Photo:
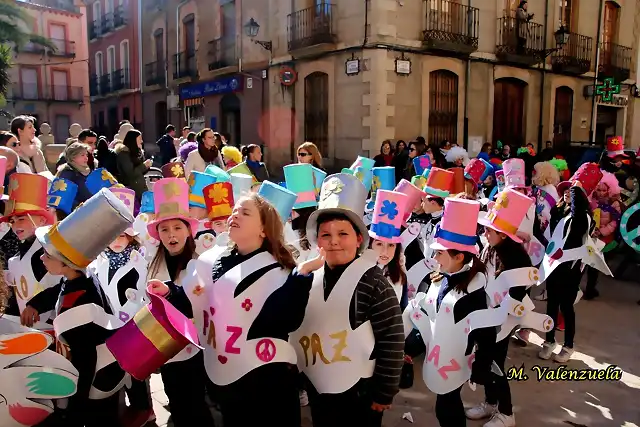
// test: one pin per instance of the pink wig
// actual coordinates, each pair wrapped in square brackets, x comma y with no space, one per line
[611,182]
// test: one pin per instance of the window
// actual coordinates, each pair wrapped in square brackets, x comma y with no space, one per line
[510,7]
[99,64]
[29,79]
[158,41]
[189,33]
[108,6]
[443,106]
[228,18]
[59,37]
[97,17]
[565,13]
[610,28]
[124,59]
[316,110]
[111,59]
[60,86]
[61,126]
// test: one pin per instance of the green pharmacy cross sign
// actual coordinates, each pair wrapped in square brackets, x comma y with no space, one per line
[607,89]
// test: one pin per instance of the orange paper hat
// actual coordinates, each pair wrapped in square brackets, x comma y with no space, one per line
[218,198]
[458,180]
[27,195]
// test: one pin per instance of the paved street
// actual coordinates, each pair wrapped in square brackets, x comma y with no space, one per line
[607,334]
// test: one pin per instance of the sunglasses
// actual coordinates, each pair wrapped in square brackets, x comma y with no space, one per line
[412,149]
[303,154]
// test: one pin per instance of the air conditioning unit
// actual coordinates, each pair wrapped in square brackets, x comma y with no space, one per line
[173,102]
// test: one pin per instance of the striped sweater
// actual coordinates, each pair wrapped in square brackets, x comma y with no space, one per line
[375,300]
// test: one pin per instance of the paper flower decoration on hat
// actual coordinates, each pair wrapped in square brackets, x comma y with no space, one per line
[171,190]
[501,202]
[59,185]
[219,193]
[331,187]
[375,184]
[389,209]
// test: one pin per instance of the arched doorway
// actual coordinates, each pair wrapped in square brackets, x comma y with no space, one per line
[563,116]
[161,118]
[316,110]
[508,111]
[230,118]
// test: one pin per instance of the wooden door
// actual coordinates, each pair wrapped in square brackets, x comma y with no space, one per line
[563,117]
[609,32]
[508,111]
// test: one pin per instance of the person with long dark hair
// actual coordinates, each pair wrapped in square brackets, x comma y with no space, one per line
[131,163]
[386,156]
[107,157]
[208,153]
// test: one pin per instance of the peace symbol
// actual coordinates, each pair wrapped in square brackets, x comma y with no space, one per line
[630,236]
[266,350]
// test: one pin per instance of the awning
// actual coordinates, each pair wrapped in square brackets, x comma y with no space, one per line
[193,101]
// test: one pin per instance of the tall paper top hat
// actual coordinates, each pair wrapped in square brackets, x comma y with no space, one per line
[439,183]
[128,197]
[171,201]
[67,240]
[344,194]
[62,194]
[457,230]
[347,171]
[241,185]
[173,170]
[220,174]
[458,180]
[365,176]
[299,180]
[421,163]
[388,215]
[27,195]
[419,181]
[281,198]
[218,198]
[507,213]
[414,193]
[146,205]
[3,170]
[615,146]
[156,334]
[588,174]
[384,178]
[98,179]
[363,162]
[514,173]
[318,176]
[476,170]
[243,169]
[197,181]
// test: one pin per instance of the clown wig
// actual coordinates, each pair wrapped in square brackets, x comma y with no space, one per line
[187,148]
[544,173]
[611,182]
[456,153]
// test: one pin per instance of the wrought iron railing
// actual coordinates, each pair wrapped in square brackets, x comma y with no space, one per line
[53,93]
[94,85]
[120,79]
[615,60]
[154,73]
[519,37]
[105,84]
[184,64]
[30,48]
[222,53]
[451,22]
[311,26]
[61,93]
[119,16]
[575,55]
[107,23]
[26,91]
[95,30]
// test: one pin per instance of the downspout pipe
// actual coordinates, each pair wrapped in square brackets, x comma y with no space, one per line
[182,3]
[467,78]
[543,79]
[594,109]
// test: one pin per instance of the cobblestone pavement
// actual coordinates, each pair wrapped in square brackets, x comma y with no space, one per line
[608,333]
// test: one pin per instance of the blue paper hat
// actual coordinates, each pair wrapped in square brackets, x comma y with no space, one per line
[299,180]
[197,181]
[147,205]
[281,198]
[363,162]
[220,174]
[283,184]
[99,179]
[384,178]
[318,177]
[62,194]
[421,163]
[488,171]
[365,176]
[241,184]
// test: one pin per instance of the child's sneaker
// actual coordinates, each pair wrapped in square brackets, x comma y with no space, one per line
[564,355]
[501,420]
[481,411]
[547,350]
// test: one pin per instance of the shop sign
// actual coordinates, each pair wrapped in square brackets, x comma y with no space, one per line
[220,86]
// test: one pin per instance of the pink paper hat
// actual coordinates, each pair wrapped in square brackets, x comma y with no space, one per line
[507,213]
[128,197]
[388,215]
[456,230]
[475,170]
[3,170]
[154,336]
[171,201]
[414,194]
[514,173]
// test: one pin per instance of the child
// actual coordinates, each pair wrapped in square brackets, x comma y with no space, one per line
[457,318]
[545,178]
[83,317]
[299,180]
[26,211]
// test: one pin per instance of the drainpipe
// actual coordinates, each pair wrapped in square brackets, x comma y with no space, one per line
[594,108]
[544,75]
[467,74]
[140,64]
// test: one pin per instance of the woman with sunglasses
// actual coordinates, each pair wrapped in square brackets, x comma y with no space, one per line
[308,153]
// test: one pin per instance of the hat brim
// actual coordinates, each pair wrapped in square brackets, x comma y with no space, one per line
[443,245]
[395,239]
[152,227]
[45,214]
[613,154]
[484,221]
[312,225]
[564,185]
[42,234]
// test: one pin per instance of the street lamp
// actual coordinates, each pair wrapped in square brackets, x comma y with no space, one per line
[251,29]
[561,36]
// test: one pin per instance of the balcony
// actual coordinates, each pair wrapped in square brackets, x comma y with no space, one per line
[104,84]
[64,48]
[30,48]
[120,80]
[94,85]
[520,42]
[615,61]
[107,23]
[184,65]
[311,27]
[95,30]
[155,5]
[451,27]
[575,56]
[154,73]
[222,53]
[54,93]
[119,17]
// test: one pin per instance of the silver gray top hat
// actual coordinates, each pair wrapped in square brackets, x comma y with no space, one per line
[86,232]
[345,194]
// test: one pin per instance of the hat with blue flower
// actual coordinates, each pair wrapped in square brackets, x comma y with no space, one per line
[388,214]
